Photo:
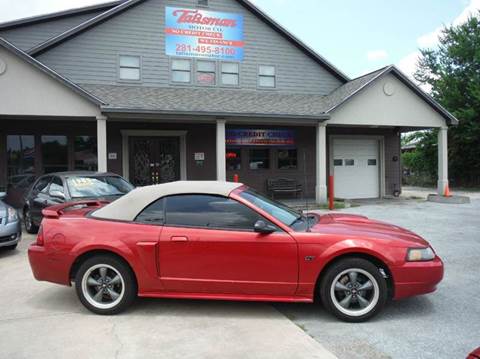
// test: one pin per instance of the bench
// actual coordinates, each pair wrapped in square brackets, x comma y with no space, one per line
[283,185]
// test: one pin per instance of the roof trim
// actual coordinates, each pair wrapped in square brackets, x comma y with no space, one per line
[296,41]
[247,4]
[46,17]
[56,40]
[319,118]
[451,120]
[48,71]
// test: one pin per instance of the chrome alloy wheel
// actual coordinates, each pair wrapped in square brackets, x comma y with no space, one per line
[355,292]
[103,286]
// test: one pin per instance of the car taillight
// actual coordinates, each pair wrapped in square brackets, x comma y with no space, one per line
[40,239]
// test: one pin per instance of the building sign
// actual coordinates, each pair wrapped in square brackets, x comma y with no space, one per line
[239,137]
[204,34]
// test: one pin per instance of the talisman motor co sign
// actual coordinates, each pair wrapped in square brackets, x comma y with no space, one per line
[203,34]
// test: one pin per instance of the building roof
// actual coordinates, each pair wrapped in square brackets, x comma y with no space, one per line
[52,16]
[129,206]
[198,101]
[247,4]
[347,91]
[46,70]
[244,103]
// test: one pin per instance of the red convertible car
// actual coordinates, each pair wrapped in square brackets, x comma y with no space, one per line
[224,241]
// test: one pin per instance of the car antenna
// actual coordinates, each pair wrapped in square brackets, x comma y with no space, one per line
[305,189]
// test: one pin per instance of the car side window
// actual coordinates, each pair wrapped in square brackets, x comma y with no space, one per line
[153,213]
[206,211]
[42,185]
[56,185]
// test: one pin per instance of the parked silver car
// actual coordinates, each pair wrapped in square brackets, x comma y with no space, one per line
[10,229]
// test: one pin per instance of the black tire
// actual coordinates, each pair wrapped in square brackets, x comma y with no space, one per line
[12,247]
[30,227]
[115,266]
[355,312]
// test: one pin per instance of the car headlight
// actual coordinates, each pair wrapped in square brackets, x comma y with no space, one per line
[12,215]
[420,254]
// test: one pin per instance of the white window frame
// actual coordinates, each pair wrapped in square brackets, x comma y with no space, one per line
[229,73]
[119,67]
[215,72]
[170,72]
[260,76]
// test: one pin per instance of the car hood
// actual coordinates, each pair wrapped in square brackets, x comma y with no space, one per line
[356,225]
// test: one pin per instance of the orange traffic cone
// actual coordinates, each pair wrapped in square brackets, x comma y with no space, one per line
[447,191]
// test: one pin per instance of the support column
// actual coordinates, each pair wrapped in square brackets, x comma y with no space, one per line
[221,151]
[321,163]
[442,160]
[102,143]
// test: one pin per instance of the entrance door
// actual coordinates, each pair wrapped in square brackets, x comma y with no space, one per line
[356,168]
[154,160]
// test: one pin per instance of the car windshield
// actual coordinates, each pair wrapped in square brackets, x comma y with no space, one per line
[100,186]
[276,209]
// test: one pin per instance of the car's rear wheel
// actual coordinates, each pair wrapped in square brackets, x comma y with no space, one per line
[30,227]
[354,290]
[105,285]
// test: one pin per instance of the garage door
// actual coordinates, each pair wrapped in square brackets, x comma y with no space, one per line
[356,168]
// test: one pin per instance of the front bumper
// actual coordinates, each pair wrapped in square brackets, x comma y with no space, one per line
[10,234]
[416,278]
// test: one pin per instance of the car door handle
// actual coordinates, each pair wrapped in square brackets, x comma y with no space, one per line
[179,239]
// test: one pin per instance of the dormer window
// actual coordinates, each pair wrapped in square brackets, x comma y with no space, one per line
[181,71]
[129,68]
[230,73]
[267,76]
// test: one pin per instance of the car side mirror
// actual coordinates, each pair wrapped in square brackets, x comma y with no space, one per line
[3,195]
[58,195]
[264,228]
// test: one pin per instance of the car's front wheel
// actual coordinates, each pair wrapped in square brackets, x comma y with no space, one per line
[105,285]
[353,289]
[30,227]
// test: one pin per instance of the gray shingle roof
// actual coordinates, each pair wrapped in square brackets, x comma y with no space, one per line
[344,92]
[208,101]
[235,102]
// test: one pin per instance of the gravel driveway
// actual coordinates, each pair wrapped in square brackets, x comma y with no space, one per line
[445,324]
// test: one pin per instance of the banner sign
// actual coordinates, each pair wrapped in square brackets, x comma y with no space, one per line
[238,137]
[204,34]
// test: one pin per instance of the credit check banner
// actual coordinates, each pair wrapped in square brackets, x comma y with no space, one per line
[204,34]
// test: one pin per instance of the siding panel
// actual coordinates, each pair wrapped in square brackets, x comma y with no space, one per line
[91,56]
[27,36]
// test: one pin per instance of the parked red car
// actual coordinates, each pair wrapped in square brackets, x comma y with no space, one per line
[213,240]
[475,354]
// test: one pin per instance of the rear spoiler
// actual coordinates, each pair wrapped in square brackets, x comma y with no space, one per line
[57,210]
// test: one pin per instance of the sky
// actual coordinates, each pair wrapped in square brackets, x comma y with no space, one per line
[356,36]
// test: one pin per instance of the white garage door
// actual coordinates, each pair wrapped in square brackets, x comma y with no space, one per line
[356,168]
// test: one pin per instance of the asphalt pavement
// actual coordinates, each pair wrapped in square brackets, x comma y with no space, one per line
[40,320]
[43,320]
[444,324]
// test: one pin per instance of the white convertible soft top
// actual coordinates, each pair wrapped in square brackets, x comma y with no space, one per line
[127,208]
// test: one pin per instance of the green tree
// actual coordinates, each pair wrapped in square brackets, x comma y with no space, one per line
[453,73]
